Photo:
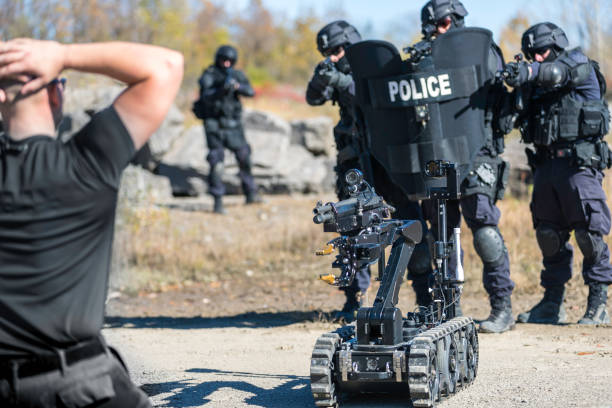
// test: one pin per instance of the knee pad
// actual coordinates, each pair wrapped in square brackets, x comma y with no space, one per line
[420,261]
[243,155]
[549,240]
[591,244]
[215,156]
[489,244]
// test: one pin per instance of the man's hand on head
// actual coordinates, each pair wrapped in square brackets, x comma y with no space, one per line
[41,61]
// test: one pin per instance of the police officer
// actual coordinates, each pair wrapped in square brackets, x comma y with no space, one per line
[57,211]
[332,81]
[485,184]
[565,118]
[221,87]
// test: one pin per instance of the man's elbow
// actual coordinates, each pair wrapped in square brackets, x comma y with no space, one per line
[169,72]
[175,63]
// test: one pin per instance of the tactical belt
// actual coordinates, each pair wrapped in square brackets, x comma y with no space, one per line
[43,363]
[558,153]
[595,154]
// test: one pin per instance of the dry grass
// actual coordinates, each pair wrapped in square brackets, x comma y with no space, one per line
[166,247]
[163,248]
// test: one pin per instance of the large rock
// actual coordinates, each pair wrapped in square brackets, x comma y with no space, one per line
[287,157]
[315,134]
[278,165]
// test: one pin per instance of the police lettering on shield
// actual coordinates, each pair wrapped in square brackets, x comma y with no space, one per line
[420,88]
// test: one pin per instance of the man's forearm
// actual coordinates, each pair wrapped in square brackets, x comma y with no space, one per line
[127,62]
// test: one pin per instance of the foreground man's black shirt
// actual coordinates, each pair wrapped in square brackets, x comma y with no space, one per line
[57,212]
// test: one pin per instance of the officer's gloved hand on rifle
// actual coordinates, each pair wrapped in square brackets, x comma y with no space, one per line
[230,85]
[325,75]
[516,73]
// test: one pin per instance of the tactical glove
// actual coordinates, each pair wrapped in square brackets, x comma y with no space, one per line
[519,73]
[325,75]
[230,85]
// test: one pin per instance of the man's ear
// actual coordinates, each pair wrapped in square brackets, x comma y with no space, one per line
[3,96]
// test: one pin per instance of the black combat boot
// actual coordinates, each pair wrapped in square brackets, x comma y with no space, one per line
[597,312]
[218,207]
[500,319]
[550,310]
[423,295]
[253,198]
[348,314]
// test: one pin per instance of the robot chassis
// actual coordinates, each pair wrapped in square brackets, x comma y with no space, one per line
[431,353]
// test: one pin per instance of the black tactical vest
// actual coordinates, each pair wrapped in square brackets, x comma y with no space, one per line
[559,118]
[220,104]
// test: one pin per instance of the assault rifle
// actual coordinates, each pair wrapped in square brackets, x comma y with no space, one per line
[418,51]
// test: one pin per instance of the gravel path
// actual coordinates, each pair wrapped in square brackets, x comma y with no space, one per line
[254,361]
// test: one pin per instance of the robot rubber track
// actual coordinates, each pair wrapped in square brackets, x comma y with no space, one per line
[432,365]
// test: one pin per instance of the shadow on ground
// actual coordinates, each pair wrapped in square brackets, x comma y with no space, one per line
[179,178]
[246,320]
[293,392]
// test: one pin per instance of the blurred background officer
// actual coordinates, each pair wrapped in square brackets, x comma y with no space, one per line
[485,184]
[57,213]
[221,87]
[333,81]
[566,118]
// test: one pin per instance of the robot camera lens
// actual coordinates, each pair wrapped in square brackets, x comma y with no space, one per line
[353,177]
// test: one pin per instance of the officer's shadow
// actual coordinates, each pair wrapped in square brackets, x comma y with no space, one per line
[181,179]
[294,392]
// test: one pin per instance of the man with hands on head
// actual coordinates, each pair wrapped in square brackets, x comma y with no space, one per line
[57,211]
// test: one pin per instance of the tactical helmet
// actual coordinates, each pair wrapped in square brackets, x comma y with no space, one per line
[335,34]
[226,52]
[543,36]
[436,10]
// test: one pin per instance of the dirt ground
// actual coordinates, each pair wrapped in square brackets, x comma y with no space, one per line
[248,344]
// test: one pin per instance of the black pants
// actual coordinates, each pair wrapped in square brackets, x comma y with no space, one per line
[100,381]
[218,138]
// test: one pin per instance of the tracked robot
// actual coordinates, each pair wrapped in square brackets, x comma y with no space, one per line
[430,353]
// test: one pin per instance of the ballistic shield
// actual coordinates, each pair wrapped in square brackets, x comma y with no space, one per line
[417,113]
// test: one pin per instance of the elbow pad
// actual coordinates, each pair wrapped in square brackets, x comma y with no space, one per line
[552,74]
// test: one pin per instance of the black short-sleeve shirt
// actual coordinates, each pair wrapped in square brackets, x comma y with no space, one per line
[57,212]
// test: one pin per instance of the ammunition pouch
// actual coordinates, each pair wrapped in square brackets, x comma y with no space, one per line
[594,119]
[489,176]
[198,109]
[593,154]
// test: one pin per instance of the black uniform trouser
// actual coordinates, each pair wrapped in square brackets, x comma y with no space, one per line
[221,136]
[565,198]
[100,381]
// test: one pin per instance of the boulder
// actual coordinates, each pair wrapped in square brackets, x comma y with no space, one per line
[315,134]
